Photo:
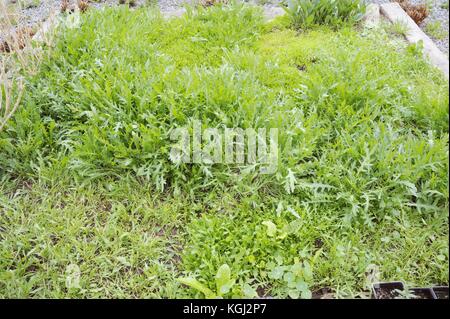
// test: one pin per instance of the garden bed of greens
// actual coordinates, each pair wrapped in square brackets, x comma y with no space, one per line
[92,206]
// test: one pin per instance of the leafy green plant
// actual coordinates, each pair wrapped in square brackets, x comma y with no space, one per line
[223,282]
[397,28]
[436,30]
[86,179]
[295,277]
[306,13]
[416,49]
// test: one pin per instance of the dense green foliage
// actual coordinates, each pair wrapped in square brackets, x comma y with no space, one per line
[86,177]
[306,13]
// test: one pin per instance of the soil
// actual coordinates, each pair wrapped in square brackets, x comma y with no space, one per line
[323,293]
[388,290]
[386,293]
[422,294]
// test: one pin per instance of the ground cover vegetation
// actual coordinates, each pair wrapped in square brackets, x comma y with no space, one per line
[361,190]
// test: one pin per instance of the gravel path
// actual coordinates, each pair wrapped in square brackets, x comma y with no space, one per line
[438,15]
[33,15]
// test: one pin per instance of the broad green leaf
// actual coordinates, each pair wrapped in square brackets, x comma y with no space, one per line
[194,283]
[271,228]
[294,294]
[306,294]
[249,292]
[223,279]
[277,272]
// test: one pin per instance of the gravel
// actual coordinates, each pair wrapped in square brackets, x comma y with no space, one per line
[35,15]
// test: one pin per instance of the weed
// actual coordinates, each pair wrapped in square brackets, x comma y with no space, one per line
[86,179]
[223,281]
[9,17]
[17,40]
[305,14]
[296,278]
[397,28]
[436,30]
